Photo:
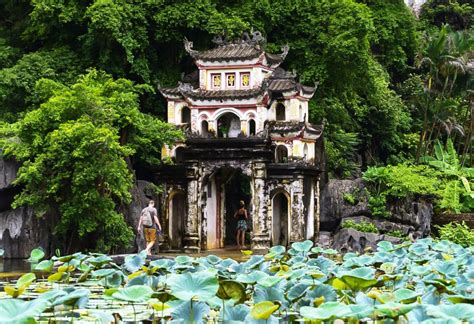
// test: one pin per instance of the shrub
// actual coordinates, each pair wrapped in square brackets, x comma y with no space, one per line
[350,198]
[458,233]
[361,227]
[397,233]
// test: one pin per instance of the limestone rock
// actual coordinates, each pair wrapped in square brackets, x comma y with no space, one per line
[8,171]
[350,240]
[141,194]
[21,231]
[333,205]
[416,213]
[383,225]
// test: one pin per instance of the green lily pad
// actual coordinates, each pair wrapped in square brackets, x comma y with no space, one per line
[133,294]
[188,286]
[263,310]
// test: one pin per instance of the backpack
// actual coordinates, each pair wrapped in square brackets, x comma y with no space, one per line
[147,219]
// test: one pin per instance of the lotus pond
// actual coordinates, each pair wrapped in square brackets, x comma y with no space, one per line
[424,282]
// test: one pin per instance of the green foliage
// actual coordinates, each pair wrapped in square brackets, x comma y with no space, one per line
[75,149]
[395,38]
[456,194]
[378,205]
[17,82]
[361,226]
[397,233]
[349,198]
[395,182]
[458,233]
[457,13]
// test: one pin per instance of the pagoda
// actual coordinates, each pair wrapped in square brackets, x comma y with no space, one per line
[247,137]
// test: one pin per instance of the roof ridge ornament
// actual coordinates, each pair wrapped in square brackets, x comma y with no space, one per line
[188,46]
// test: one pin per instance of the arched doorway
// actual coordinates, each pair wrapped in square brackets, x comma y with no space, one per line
[222,192]
[252,127]
[280,112]
[178,154]
[281,154]
[185,115]
[205,128]
[280,219]
[306,152]
[177,208]
[228,125]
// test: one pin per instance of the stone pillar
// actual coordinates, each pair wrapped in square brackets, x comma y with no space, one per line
[317,209]
[261,233]
[297,226]
[192,221]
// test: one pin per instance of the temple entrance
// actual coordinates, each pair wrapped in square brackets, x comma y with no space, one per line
[224,190]
[176,220]
[280,219]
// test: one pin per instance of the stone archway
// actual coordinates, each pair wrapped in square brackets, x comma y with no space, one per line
[222,189]
[281,218]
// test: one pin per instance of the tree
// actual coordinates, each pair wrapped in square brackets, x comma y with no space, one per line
[74,150]
[457,13]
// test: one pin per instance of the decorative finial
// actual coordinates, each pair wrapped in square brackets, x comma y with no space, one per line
[188,46]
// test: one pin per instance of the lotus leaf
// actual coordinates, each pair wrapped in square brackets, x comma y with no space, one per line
[44,266]
[304,246]
[464,312]
[385,246]
[252,278]
[77,298]
[103,273]
[326,311]
[263,310]
[269,281]
[235,314]
[183,259]
[190,312]
[56,277]
[133,294]
[134,262]
[26,279]
[212,259]
[229,289]
[19,311]
[358,279]
[14,291]
[277,249]
[187,286]
[36,255]
[393,310]
[405,295]
[296,292]
[447,268]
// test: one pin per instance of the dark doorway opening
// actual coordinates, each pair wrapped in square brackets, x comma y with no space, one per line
[280,219]
[178,213]
[237,188]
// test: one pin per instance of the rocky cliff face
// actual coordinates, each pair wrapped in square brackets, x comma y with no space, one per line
[21,231]
[141,195]
[411,218]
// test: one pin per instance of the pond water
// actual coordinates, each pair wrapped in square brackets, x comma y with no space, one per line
[13,267]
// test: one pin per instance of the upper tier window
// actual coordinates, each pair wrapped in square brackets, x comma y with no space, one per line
[185,115]
[245,80]
[216,80]
[280,112]
[230,80]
